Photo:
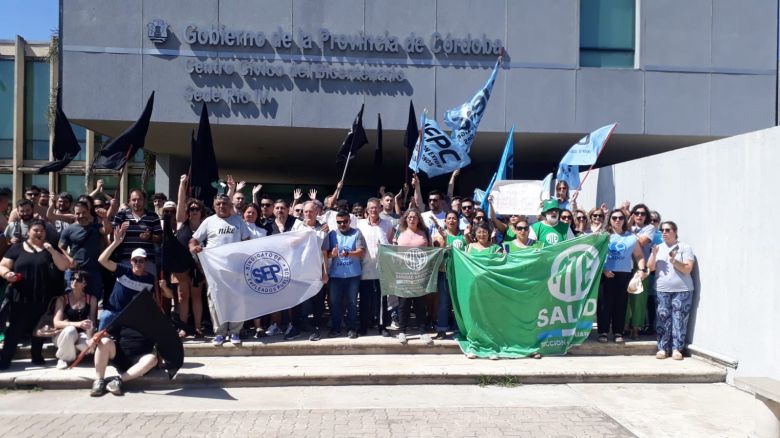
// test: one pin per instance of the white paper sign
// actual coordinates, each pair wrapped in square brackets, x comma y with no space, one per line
[517,197]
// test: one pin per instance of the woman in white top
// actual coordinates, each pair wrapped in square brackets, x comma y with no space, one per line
[673,263]
[251,213]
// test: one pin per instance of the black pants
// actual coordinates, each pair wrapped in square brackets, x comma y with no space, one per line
[21,322]
[404,306]
[317,306]
[612,303]
[369,303]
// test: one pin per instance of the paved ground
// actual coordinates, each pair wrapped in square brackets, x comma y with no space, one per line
[574,410]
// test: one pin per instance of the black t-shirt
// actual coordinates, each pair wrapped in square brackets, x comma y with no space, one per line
[83,243]
[39,278]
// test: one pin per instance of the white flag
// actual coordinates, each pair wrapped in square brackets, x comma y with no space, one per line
[261,276]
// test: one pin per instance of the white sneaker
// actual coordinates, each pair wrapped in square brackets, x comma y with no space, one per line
[394,326]
[273,330]
[61,364]
[402,338]
[426,339]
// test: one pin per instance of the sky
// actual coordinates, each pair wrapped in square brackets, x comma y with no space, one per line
[33,20]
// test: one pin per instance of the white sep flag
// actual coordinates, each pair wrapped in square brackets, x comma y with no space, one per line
[261,276]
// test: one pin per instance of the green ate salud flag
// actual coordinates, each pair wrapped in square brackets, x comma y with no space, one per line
[537,300]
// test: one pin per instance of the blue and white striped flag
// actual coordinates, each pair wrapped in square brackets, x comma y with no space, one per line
[464,119]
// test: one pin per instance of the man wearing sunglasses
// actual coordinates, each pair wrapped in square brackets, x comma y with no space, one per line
[551,230]
[345,247]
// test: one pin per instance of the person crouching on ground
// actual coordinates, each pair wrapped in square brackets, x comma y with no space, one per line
[75,313]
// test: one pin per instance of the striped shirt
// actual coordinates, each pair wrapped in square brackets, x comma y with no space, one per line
[149,221]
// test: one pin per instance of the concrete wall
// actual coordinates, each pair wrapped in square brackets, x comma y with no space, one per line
[722,197]
[706,67]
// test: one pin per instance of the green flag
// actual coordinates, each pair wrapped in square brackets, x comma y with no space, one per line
[538,300]
[408,271]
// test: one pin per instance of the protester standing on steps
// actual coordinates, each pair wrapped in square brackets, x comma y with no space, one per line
[640,225]
[316,303]
[222,228]
[448,237]
[413,233]
[345,247]
[31,267]
[673,263]
[483,244]
[189,215]
[551,230]
[624,249]
[376,231]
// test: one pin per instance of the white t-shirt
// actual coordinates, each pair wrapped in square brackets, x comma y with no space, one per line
[667,278]
[216,231]
[256,231]
[300,225]
[427,218]
[374,235]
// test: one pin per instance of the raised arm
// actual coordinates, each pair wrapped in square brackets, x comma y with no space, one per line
[181,201]
[50,213]
[119,236]
[60,261]
[500,226]
[418,199]
[98,188]
[451,185]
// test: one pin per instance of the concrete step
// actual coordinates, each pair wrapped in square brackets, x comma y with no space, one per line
[383,369]
[276,346]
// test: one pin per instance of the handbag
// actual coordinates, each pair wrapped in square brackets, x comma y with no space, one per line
[45,326]
[635,286]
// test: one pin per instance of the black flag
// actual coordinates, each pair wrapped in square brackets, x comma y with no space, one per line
[65,146]
[203,168]
[143,315]
[412,131]
[115,154]
[356,138]
[378,151]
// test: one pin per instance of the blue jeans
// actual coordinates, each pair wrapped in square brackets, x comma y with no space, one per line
[343,291]
[672,314]
[445,304]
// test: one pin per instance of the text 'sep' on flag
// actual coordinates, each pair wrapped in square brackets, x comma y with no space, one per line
[261,276]
[409,271]
[538,300]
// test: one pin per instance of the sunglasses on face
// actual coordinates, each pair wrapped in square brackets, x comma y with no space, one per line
[667,230]
[597,215]
[138,261]
[79,279]
[266,205]
[433,200]
[655,221]
[32,194]
[522,228]
[640,213]
[194,209]
[342,222]
[580,218]
[467,207]
[618,218]
[566,217]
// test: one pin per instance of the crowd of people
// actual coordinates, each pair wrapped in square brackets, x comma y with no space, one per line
[85,260]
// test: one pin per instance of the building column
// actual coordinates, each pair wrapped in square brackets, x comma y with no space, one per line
[18,156]
[54,82]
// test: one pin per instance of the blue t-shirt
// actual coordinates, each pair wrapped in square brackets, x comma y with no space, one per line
[344,267]
[621,248]
[127,286]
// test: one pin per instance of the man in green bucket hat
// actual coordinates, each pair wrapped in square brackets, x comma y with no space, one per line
[550,230]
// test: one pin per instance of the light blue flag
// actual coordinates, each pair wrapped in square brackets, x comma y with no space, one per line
[414,163]
[505,166]
[570,174]
[464,119]
[547,187]
[484,202]
[439,153]
[479,195]
[586,151]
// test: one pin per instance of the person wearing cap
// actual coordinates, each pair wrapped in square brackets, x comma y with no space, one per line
[129,281]
[550,230]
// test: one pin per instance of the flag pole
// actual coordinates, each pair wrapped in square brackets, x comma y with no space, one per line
[346,165]
[597,158]
[95,340]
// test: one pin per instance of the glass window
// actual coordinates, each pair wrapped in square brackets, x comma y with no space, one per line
[36,110]
[73,184]
[81,136]
[138,157]
[6,181]
[6,109]
[33,179]
[607,33]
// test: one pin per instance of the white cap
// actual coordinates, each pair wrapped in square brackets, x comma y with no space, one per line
[169,204]
[138,252]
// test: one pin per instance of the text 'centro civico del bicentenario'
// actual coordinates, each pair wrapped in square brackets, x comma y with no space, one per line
[222,37]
